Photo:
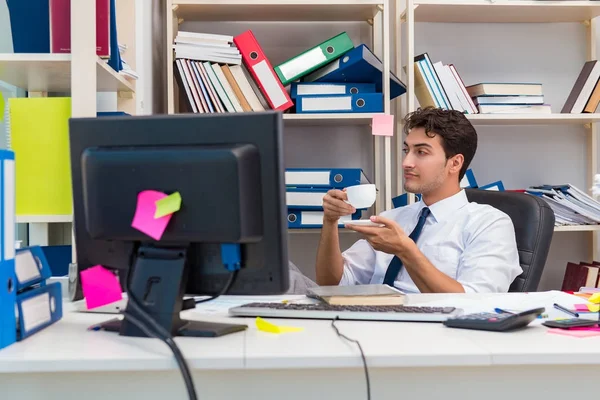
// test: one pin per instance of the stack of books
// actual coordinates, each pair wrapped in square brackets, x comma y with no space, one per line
[306,187]
[571,205]
[513,98]
[585,95]
[219,73]
[440,85]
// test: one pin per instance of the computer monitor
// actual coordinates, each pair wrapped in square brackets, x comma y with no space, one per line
[228,169]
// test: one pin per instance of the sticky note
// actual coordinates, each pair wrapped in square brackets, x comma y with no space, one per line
[144,220]
[595,298]
[265,326]
[574,333]
[581,307]
[168,205]
[1,106]
[593,307]
[100,287]
[383,125]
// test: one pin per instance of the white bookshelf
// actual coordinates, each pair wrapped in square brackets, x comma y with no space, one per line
[82,75]
[508,11]
[277,10]
[411,12]
[327,119]
[52,73]
[577,228]
[376,12]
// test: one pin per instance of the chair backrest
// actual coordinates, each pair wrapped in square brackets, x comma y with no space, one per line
[533,220]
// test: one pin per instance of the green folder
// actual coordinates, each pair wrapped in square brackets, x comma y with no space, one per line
[312,59]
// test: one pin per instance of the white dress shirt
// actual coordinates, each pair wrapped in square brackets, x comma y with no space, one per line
[472,243]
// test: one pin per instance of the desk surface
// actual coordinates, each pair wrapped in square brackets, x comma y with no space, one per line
[69,346]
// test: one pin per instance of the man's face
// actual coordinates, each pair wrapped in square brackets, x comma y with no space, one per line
[425,166]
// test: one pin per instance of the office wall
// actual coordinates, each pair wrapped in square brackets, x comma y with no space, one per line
[520,156]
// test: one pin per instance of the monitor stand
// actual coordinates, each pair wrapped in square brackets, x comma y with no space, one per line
[158,281]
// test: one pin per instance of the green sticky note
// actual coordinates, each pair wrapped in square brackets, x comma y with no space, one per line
[168,205]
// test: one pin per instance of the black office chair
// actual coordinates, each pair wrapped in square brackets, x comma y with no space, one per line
[533,220]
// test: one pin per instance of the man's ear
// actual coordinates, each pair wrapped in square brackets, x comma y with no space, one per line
[456,163]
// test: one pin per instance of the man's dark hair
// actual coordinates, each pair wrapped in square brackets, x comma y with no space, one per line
[457,133]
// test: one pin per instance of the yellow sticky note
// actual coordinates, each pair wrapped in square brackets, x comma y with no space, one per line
[1,106]
[265,326]
[168,205]
[595,298]
[593,307]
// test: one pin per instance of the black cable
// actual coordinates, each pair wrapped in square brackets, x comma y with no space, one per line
[159,333]
[225,289]
[189,383]
[362,355]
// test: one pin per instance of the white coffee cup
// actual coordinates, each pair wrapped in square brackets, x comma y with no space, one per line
[361,196]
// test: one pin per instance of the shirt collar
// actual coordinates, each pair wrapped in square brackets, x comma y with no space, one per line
[443,209]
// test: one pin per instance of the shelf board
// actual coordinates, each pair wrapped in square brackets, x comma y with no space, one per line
[43,219]
[577,228]
[512,11]
[52,73]
[328,119]
[532,119]
[276,10]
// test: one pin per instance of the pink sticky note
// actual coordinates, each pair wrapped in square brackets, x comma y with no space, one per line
[383,125]
[581,307]
[574,332]
[144,220]
[100,287]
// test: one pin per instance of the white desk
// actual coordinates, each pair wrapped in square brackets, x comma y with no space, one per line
[406,360]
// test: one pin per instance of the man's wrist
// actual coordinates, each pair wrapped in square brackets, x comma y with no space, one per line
[406,248]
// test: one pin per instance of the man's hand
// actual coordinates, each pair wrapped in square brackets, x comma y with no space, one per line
[335,207]
[389,238]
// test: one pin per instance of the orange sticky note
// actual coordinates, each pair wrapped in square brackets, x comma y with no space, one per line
[383,125]
[144,220]
[100,287]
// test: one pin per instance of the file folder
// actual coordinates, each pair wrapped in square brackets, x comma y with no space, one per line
[497,186]
[8,299]
[314,219]
[322,88]
[38,308]
[357,65]
[305,198]
[352,103]
[305,63]
[8,279]
[262,71]
[468,181]
[325,177]
[31,267]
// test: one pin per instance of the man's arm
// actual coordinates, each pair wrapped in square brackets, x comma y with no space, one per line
[424,274]
[330,263]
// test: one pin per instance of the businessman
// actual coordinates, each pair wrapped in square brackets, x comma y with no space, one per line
[443,243]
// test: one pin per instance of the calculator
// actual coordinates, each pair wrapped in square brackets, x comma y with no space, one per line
[494,322]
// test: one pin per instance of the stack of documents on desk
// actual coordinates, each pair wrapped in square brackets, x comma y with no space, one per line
[571,205]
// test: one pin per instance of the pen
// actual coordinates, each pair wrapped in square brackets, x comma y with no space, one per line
[563,309]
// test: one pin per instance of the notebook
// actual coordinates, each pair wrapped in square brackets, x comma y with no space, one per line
[358,295]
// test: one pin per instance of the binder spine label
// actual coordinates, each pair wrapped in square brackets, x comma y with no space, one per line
[269,83]
[35,311]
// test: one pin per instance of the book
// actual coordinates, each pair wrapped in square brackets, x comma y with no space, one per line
[358,295]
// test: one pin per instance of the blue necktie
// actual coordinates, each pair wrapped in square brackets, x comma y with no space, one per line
[394,268]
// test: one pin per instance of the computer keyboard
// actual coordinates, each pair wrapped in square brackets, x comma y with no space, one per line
[363,313]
